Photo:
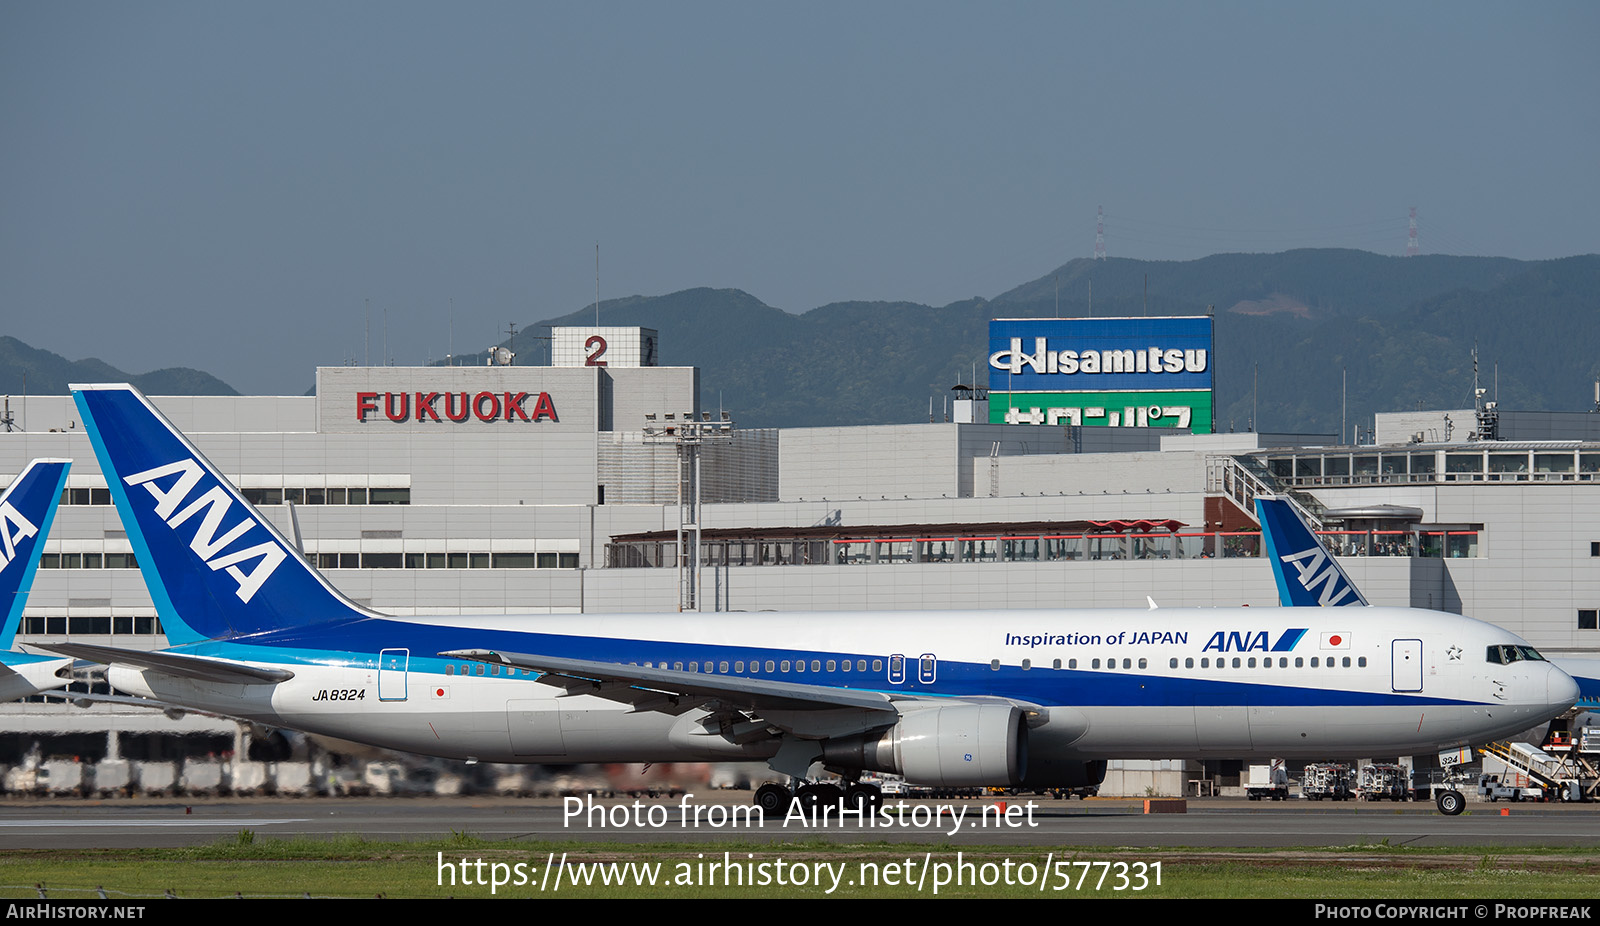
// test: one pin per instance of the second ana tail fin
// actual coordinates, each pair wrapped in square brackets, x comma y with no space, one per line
[214,565]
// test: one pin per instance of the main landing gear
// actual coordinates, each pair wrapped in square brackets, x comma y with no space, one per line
[777,800]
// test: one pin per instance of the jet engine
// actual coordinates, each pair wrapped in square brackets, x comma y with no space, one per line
[956,745]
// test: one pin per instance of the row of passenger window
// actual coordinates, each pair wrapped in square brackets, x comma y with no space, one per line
[1239,662]
[737,666]
[1266,662]
[722,667]
[479,668]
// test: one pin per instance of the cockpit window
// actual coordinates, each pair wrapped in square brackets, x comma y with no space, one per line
[1506,654]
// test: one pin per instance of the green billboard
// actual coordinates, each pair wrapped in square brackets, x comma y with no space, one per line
[1187,408]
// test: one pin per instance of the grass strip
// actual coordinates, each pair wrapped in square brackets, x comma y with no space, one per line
[464,866]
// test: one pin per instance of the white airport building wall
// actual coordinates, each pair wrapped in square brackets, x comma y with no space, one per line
[915,461]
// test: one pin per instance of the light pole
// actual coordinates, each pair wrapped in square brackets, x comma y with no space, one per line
[688,433]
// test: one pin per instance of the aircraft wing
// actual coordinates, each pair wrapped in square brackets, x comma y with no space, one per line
[642,687]
[192,667]
[742,710]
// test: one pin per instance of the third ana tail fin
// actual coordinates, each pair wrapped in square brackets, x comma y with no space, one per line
[214,565]
[26,510]
[1307,575]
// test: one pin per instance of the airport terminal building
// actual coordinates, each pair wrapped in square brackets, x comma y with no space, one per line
[570,488]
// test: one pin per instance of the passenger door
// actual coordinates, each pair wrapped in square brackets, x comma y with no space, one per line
[392,665]
[1406,665]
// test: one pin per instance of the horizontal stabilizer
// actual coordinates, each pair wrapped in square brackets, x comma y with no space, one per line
[191,667]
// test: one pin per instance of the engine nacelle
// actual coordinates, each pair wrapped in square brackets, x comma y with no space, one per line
[129,680]
[957,746]
[30,678]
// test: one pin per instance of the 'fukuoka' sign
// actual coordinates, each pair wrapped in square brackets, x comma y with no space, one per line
[455,406]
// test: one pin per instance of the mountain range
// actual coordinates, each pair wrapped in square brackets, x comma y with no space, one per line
[26,370]
[1293,330]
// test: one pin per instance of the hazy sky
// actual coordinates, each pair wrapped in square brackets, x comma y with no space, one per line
[229,185]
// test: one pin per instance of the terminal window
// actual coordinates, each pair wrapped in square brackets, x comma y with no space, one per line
[1589,620]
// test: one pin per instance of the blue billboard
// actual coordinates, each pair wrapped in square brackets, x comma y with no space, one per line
[1078,371]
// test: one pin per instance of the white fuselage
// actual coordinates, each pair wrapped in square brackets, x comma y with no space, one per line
[1114,684]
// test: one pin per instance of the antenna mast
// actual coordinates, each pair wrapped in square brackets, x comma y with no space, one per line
[1486,413]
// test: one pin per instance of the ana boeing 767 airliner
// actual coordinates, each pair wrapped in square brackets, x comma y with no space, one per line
[949,698]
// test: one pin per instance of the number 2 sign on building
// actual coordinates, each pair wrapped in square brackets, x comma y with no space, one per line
[603,347]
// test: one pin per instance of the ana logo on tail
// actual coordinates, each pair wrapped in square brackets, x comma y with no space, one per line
[14,528]
[27,506]
[1315,579]
[214,504]
[1307,563]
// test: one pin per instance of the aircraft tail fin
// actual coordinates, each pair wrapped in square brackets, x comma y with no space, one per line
[1306,573]
[26,510]
[215,567]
